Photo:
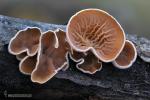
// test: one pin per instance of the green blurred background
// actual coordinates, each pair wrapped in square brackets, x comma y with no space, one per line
[133,15]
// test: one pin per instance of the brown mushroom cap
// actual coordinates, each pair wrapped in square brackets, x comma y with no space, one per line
[28,64]
[87,63]
[25,40]
[21,56]
[127,57]
[52,56]
[96,30]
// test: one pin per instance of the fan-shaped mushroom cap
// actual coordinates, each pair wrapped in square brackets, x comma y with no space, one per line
[96,30]
[127,56]
[86,63]
[21,56]
[28,64]
[52,56]
[25,40]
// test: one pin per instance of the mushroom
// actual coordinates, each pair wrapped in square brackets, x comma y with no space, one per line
[28,64]
[127,57]
[21,56]
[98,31]
[26,40]
[86,62]
[52,56]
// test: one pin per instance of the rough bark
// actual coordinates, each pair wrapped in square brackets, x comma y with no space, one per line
[108,84]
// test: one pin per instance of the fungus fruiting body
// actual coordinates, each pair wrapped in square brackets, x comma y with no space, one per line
[51,57]
[25,41]
[21,56]
[98,31]
[28,64]
[25,45]
[86,62]
[127,57]
[92,36]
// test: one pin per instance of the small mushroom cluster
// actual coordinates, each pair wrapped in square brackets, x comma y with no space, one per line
[97,32]
[92,36]
[42,55]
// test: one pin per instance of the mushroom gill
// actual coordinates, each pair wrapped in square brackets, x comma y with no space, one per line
[127,57]
[51,56]
[86,62]
[26,40]
[98,31]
